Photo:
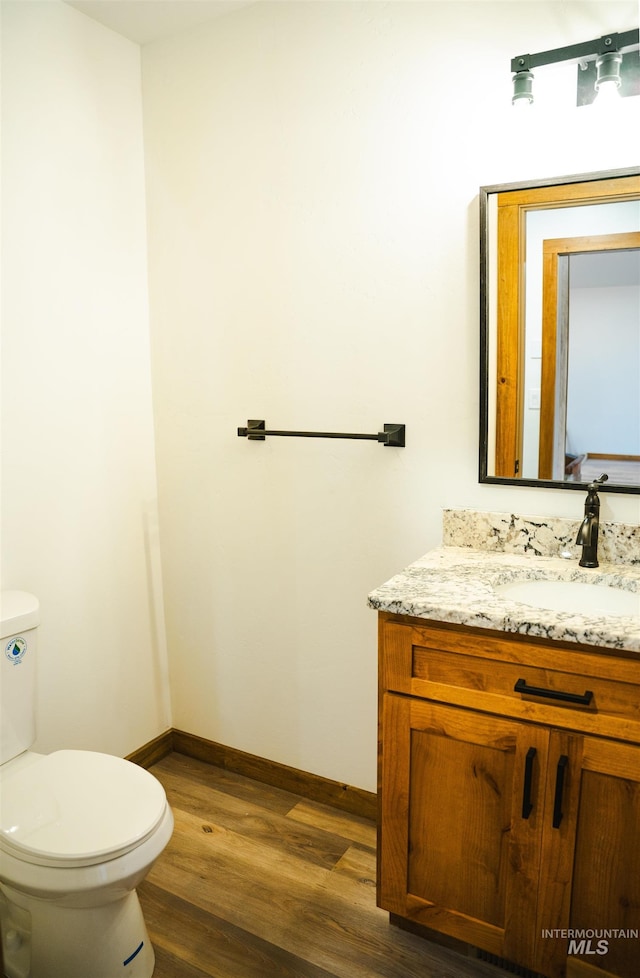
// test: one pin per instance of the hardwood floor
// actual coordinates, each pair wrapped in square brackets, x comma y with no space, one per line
[261,883]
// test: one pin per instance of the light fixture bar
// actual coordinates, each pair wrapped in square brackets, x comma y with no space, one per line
[584,52]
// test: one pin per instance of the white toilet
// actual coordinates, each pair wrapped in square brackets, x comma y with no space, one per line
[78,832]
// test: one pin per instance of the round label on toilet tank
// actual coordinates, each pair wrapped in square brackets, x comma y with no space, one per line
[15,650]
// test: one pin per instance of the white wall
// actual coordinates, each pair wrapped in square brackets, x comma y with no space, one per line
[313,242]
[79,522]
[312,175]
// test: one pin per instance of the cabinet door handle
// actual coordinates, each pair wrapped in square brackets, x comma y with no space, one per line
[557,801]
[527,804]
[553,694]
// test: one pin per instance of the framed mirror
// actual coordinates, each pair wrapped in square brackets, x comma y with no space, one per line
[560,331]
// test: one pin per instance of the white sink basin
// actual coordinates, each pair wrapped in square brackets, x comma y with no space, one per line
[573,597]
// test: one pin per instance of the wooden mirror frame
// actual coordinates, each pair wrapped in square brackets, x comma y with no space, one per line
[514,200]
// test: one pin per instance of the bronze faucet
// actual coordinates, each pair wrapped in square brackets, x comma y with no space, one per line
[587,536]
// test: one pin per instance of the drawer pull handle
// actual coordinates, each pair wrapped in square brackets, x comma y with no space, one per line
[553,694]
[527,804]
[557,801]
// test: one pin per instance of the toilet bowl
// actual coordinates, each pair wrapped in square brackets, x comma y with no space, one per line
[79,830]
[78,833]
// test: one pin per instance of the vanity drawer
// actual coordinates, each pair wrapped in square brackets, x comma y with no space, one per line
[594,692]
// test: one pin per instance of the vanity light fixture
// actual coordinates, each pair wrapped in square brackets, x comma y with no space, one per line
[611,62]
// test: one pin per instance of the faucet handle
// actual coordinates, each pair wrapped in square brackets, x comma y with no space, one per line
[598,482]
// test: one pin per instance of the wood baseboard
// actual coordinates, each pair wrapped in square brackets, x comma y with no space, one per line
[154,751]
[356,801]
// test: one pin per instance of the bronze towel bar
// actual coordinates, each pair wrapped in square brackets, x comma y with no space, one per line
[393,435]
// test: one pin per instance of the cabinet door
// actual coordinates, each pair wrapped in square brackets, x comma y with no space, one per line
[462,795]
[605,890]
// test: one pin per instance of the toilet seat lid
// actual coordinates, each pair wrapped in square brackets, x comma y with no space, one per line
[78,808]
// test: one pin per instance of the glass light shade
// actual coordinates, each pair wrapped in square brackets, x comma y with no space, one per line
[608,70]
[608,93]
[522,88]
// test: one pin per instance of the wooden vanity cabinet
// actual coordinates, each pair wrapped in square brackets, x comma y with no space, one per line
[507,815]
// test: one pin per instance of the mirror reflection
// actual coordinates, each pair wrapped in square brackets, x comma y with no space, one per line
[560,378]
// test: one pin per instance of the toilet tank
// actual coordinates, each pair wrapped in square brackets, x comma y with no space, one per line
[19,617]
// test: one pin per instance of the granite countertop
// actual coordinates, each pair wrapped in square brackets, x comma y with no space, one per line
[455,584]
